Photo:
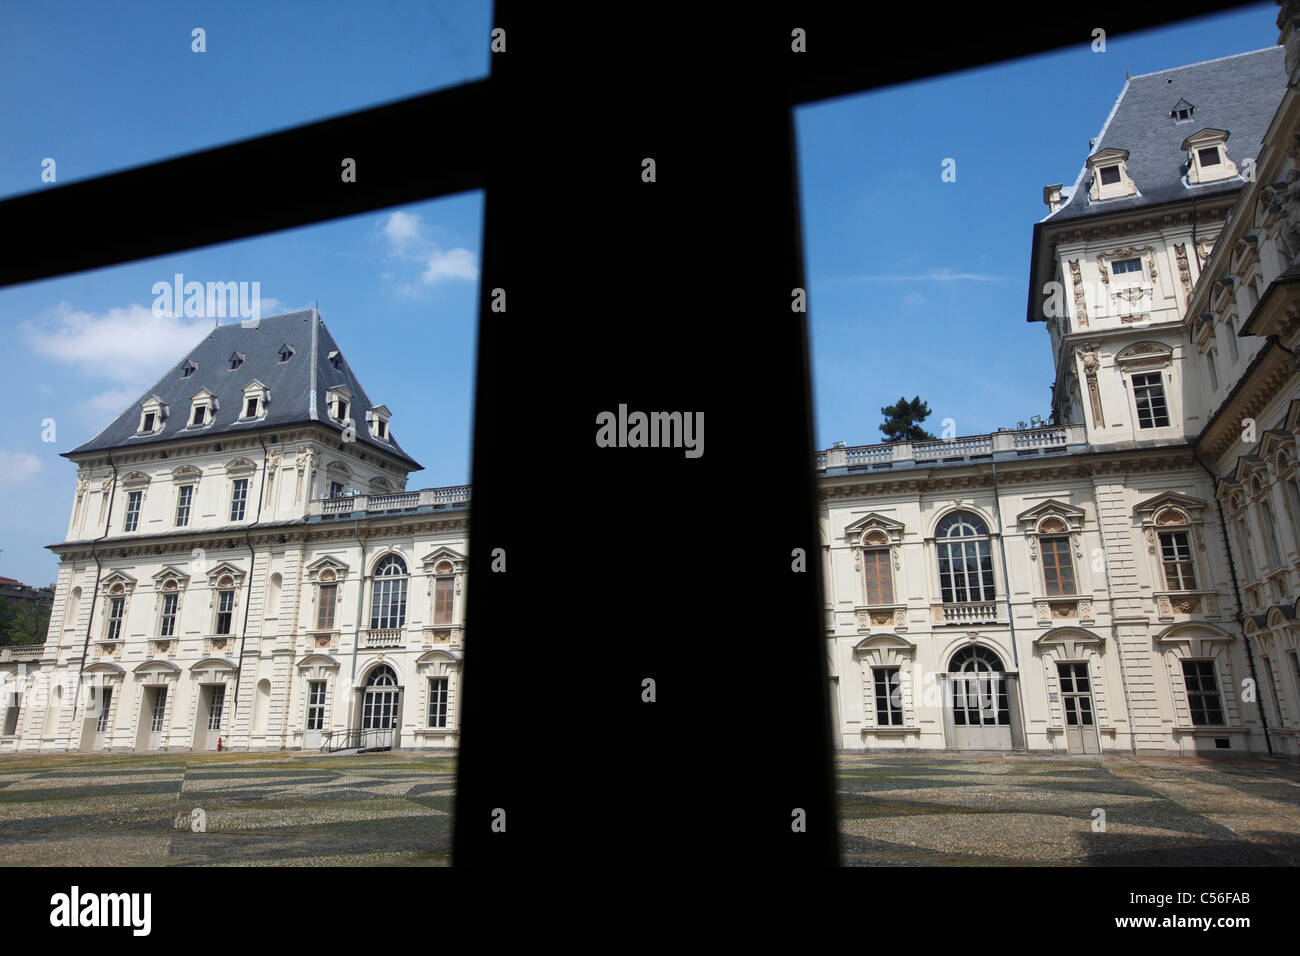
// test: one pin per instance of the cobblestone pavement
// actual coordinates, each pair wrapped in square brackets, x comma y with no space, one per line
[395,809]
[966,810]
[262,809]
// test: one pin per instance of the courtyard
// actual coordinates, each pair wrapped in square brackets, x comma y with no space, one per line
[395,809]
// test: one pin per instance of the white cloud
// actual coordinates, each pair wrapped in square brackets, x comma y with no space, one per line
[408,240]
[130,345]
[452,264]
[403,230]
[934,275]
[17,467]
[914,298]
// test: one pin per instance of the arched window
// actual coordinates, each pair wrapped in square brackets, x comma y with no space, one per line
[965,559]
[388,606]
[379,708]
[979,690]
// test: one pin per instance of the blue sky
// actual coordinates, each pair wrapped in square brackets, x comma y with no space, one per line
[102,86]
[918,286]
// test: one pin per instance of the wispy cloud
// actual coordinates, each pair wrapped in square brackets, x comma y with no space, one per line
[934,275]
[914,298]
[17,467]
[130,347]
[408,241]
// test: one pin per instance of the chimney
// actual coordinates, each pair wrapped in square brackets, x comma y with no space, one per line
[1052,196]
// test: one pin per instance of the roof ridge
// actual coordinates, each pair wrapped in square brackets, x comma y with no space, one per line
[1217,59]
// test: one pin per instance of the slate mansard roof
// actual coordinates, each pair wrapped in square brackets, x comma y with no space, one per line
[1237,93]
[290,384]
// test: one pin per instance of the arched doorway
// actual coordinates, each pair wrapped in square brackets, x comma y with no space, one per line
[981,715]
[379,707]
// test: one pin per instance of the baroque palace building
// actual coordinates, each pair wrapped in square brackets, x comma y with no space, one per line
[244,568]
[244,564]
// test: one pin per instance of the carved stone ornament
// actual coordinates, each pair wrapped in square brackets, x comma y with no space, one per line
[1091,362]
[1080,305]
[1184,270]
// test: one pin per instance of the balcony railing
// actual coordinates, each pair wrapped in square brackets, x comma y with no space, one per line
[382,637]
[974,612]
[25,652]
[395,501]
[888,455]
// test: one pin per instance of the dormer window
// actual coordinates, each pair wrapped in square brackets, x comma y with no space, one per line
[339,401]
[203,408]
[151,416]
[1207,157]
[256,397]
[286,353]
[377,419]
[1182,112]
[1110,179]
[188,368]
[336,360]
[236,360]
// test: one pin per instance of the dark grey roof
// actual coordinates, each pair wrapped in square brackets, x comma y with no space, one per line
[1238,93]
[288,382]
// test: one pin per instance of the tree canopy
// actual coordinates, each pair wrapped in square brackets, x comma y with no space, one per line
[903,420]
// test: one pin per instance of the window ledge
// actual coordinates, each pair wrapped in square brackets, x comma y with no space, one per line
[1173,604]
[891,616]
[891,730]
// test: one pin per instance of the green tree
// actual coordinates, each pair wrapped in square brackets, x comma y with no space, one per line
[22,623]
[903,421]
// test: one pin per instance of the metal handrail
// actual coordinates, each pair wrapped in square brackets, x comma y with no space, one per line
[374,738]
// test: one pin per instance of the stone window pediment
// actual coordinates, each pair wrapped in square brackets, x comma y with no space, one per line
[1142,356]
[317,568]
[172,574]
[1051,518]
[135,481]
[153,413]
[224,569]
[240,468]
[256,399]
[117,582]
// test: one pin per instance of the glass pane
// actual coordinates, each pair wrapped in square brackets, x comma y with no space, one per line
[83,84]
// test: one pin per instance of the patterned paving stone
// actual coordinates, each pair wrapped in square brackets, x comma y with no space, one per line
[955,810]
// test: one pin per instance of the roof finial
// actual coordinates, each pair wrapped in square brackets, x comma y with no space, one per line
[1127,74]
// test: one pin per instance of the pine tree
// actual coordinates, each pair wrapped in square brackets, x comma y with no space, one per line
[903,421]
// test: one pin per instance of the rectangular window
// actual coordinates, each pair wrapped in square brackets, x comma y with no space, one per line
[184,495]
[443,600]
[325,609]
[1109,175]
[148,422]
[159,709]
[316,705]
[889,696]
[1232,340]
[1149,395]
[167,625]
[1270,535]
[115,607]
[336,489]
[1203,693]
[879,579]
[1214,372]
[343,410]
[238,499]
[225,610]
[216,703]
[1272,684]
[105,702]
[1124,266]
[11,715]
[438,701]
[1209,156]
[1176,556]
[200,414]
[1058,567]
[250,411]
[132,520]
[1247,553]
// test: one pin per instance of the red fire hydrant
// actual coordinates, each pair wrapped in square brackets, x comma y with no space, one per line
[218,745]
